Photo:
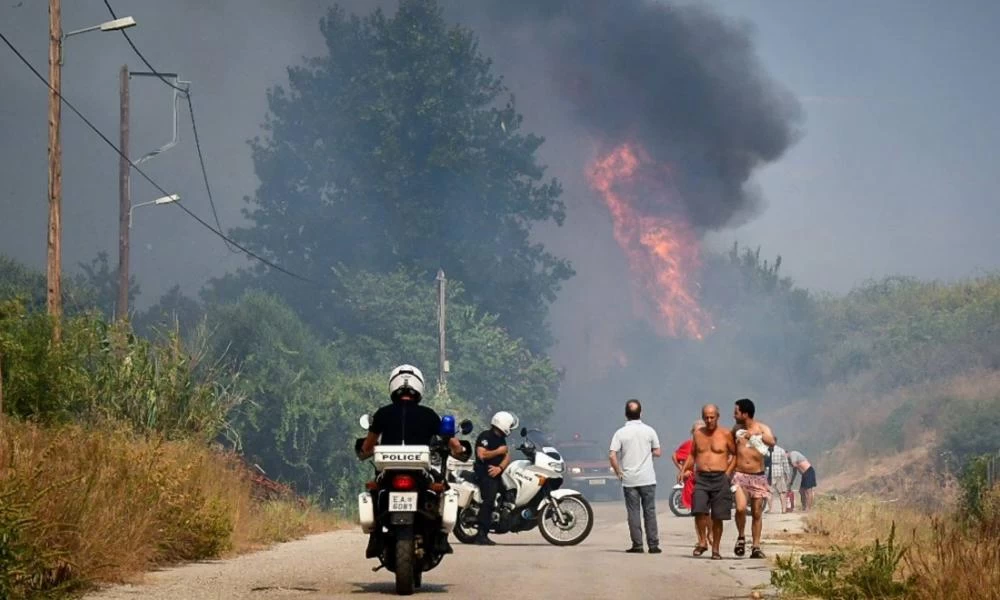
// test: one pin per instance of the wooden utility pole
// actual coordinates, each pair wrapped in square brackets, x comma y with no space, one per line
[124,199]
[54,262]
[442,357]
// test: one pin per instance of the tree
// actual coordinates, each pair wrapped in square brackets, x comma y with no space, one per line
[394,321]
[401,147]
[301,414]
[97,286]
[18,281]
[173,310]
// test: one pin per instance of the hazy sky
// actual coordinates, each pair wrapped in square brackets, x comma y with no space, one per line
[894,173]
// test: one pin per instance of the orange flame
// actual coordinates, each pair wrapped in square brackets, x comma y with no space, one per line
[662,252]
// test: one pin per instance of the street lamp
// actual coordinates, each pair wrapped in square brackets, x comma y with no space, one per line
[158,201]
[115,25]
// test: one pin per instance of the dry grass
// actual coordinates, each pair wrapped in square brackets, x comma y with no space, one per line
[82,505]
[279,521]
[909,478]
[860,520]
[862,427]
[945,557]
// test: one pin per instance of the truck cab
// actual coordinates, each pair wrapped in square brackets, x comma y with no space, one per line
[588,469]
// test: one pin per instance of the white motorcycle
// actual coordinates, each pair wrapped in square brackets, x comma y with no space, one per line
[530,497]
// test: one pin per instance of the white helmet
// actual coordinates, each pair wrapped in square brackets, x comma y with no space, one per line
[504,421]
[406,377]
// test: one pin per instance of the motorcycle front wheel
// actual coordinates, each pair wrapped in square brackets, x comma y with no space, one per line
[466,529]
[568,522]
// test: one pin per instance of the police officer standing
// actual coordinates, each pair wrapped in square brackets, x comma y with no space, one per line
[492,457]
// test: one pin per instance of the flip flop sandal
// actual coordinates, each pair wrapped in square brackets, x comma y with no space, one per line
[699,550]
[741,546]
[756,553]
[716,556]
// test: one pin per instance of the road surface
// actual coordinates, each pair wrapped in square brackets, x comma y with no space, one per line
[331,565]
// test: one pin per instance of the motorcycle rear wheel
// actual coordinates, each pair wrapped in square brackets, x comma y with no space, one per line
[549,528]
[677,504]
[406,575]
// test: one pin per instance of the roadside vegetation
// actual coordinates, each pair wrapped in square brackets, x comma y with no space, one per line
[114,457]
[863,547]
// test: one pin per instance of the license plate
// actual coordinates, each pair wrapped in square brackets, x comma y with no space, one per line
[403,502]
[598,481]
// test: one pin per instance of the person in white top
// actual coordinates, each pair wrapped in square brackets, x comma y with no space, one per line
[633,448]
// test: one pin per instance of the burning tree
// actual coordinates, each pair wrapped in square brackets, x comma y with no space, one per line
[661,245]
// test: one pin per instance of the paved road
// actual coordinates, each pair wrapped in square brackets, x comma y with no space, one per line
[330,565]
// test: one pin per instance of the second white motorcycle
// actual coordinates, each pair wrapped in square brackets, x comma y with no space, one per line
[531,496]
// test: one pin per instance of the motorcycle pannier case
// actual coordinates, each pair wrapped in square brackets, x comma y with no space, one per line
[465,490]
[366,512]
[449,510]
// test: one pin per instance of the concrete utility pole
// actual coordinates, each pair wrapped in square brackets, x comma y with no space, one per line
[54,246]
[442,357]
[124,198]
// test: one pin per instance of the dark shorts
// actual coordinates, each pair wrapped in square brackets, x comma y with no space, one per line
[712,495]
[808,479]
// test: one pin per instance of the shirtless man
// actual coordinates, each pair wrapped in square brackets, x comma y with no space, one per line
[712,457]
[752,439]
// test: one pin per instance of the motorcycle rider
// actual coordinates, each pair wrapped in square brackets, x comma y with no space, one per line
[492,457]
[404,421]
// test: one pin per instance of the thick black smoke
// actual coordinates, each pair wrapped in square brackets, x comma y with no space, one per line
[681,81]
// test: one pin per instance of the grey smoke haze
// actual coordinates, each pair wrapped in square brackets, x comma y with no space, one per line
[684,83]
[681,81]
[231,51]
[895,175]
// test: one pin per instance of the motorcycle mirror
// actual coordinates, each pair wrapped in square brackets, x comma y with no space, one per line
[465,426]
[365,421]
[524,432]
[466,449]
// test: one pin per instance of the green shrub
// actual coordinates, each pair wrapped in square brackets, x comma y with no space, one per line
[862,573]
[103,372]
[971,430]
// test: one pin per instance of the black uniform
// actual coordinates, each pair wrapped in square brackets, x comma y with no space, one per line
[405,422]
[398,423]
[491,439]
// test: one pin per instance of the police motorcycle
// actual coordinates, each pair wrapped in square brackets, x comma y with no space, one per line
[410,500]
[530,497]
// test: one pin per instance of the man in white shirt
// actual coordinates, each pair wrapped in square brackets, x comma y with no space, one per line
[633,448]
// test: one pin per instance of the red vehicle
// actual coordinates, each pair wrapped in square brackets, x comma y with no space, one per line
[588,469]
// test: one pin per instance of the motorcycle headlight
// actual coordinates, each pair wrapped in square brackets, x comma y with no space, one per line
[557,467]
[576,470]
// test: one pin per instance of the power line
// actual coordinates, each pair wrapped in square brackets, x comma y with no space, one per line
[158,187]
[143,58]
[194,125]
[201,160]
